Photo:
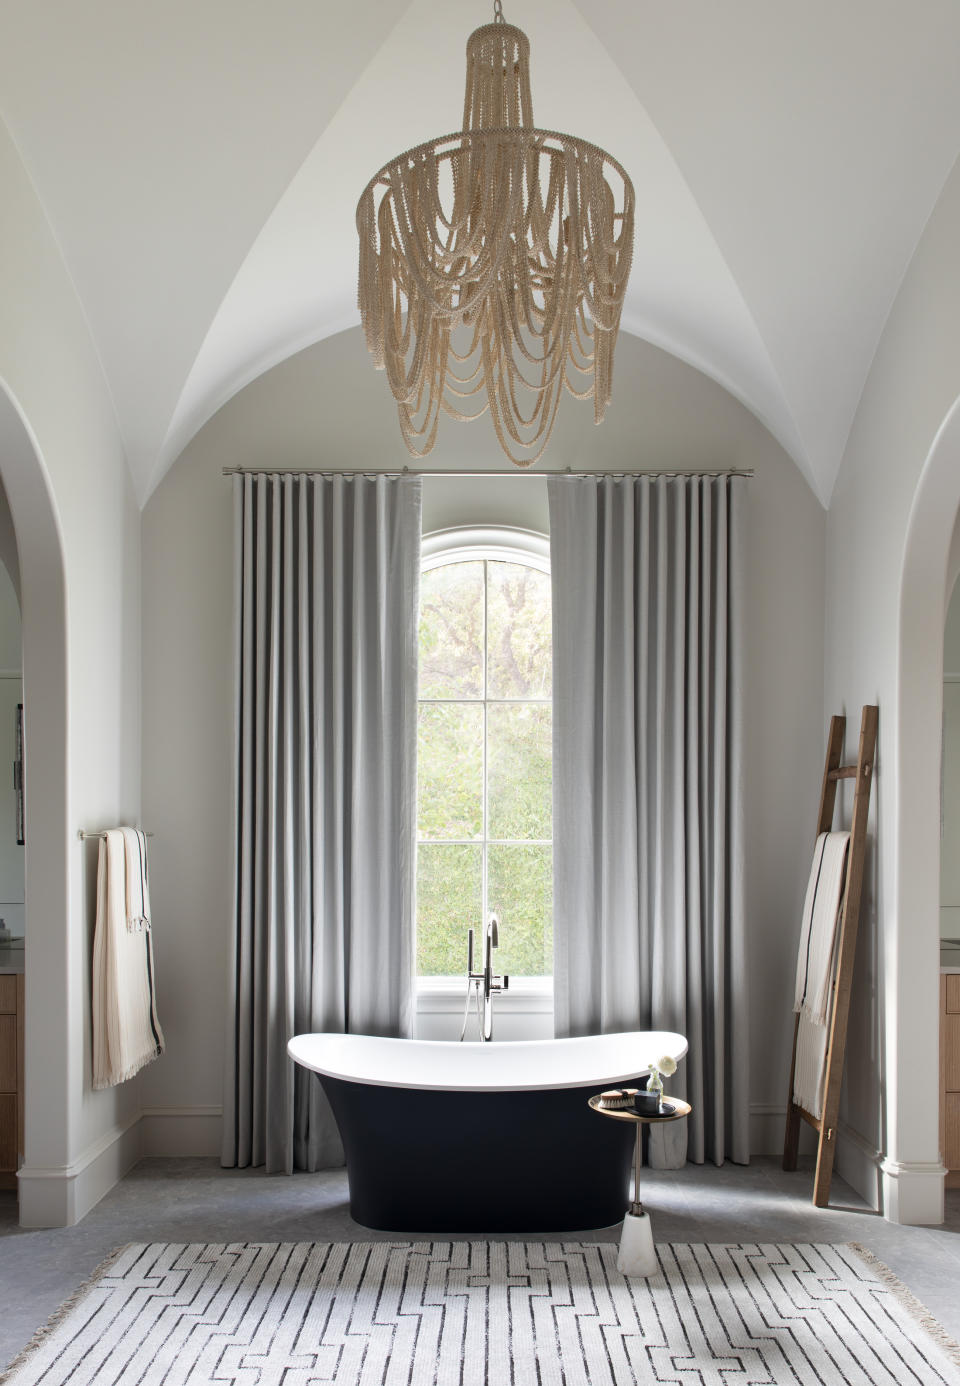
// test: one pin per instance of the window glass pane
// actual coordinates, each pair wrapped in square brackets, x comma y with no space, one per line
[519,631]
[449,886]
[450,770]
[520,886]
[519,770]
[451,631]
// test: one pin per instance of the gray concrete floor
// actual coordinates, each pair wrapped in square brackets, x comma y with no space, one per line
[195,1200]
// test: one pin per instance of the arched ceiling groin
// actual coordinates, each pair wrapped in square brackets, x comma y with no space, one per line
[200,167]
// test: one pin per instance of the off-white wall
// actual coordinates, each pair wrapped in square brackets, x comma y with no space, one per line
[8,547]
[11,655]
[951,637]
[12,913]
[950,804]
[77,523]
[884,644]
[328,408]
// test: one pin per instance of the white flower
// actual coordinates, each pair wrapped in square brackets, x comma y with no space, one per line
[667,1065]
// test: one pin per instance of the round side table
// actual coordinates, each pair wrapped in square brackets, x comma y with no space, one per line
[637,1255]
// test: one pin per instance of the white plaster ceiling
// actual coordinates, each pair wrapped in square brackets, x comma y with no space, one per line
[200,163]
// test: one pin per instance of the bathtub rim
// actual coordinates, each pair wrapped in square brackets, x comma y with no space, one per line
[518,1065]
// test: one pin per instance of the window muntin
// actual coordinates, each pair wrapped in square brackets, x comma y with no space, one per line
[484,770]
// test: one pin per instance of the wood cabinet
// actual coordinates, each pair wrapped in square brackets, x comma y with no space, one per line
[11,1077]
[950,1075]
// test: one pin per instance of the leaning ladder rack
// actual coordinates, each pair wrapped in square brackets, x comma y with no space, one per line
[862,774]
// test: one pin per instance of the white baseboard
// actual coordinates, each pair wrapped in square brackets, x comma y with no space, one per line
[906,1193]
[858,1162]
[767,1127]
[913,1192]
[181,1131]
[61,1196]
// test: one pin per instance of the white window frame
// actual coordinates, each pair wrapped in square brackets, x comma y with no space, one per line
[463,544]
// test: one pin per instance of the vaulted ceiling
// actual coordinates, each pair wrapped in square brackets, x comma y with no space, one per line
[200,163]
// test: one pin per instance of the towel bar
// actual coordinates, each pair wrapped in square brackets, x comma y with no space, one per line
[83,835]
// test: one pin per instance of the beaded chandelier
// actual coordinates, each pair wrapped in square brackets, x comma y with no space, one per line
[493,263]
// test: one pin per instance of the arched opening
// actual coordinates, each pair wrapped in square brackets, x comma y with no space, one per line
[52,1071]
[913,948]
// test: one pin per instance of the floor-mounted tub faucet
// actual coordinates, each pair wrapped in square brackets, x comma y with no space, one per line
[484,983]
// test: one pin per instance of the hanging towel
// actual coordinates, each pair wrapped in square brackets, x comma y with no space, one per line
[815,967]
[126,1031]
[818,927]
[808,1073]
[137,894]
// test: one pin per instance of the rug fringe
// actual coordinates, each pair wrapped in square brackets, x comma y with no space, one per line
[908,1299]
[55,1319]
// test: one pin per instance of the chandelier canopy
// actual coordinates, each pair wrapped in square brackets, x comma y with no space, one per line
[493,263]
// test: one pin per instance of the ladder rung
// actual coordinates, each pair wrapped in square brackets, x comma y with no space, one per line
[845,772]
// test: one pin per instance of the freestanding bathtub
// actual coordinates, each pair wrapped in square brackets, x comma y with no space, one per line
[447,1137]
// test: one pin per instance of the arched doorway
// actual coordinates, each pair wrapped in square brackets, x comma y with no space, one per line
[913,1051]
[51,1070]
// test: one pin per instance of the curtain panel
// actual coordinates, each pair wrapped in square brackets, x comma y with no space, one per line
[648,818]
[327,582]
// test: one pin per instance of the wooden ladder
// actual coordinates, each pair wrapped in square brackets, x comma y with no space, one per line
[862,774]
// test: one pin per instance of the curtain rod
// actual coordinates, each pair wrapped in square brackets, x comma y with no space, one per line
[442,471]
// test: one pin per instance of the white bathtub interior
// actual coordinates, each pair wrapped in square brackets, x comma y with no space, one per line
[507,1066]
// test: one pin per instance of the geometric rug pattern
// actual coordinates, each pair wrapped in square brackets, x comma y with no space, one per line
[451,1313]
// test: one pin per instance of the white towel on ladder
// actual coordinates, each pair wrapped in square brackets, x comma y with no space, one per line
[818,929]
[126,1031]
[810,1066]
[816,965]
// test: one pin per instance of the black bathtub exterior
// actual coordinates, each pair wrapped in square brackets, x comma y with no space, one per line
[426,1160]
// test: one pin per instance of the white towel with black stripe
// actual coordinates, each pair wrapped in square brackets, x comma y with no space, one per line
[816,966]
[126,1031]
[137,890]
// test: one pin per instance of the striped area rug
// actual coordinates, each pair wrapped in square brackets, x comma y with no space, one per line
[477,1313]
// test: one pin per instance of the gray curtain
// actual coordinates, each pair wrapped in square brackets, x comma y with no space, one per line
[648,826]
[327,579]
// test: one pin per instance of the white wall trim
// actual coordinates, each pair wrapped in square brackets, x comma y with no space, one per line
[60,1196]
[466,542]
[857,1160]
[180,1132]
[913,1192]
[447,996]
[913,1174]
[767,1126]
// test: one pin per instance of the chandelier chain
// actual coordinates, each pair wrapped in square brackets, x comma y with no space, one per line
[498,12]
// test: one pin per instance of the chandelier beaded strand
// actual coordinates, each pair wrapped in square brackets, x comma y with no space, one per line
[494,262]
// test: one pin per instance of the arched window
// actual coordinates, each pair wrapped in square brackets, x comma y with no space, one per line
[484,825]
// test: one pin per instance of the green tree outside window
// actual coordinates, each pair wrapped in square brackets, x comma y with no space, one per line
[484,765]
